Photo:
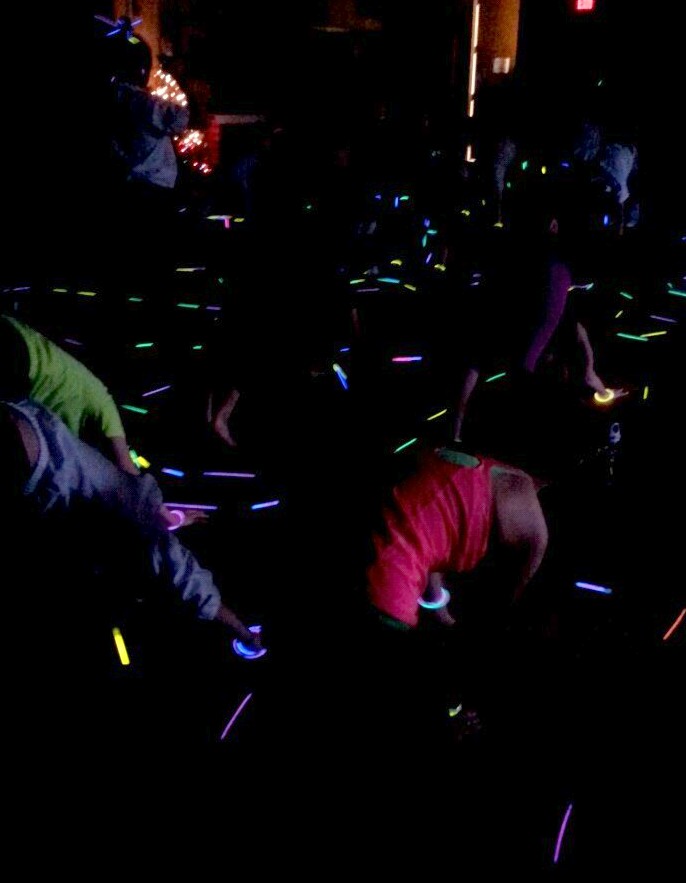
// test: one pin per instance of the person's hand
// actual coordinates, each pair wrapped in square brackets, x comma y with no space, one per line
[194,516]
[221,427]
[592,380]
[251,640]
[444,616]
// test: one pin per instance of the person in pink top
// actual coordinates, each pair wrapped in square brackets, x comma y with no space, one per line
[445,518]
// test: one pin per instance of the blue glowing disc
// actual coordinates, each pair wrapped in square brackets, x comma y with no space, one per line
[240,649]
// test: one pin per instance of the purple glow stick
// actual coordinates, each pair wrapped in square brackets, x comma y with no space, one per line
[153,391]
[230,474]
[429,258]
[213,307]
[71,340]
[234,716]
[664,319]
[561,835]
[369,289]
[265,505]
[407,358]
[177,473]
[193,506]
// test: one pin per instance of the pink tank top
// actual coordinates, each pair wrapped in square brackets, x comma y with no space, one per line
[440,520]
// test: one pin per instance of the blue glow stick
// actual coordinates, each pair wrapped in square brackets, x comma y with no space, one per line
[591,587]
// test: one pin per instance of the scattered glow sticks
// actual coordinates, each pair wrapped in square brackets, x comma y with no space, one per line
[654,334]
[389,279]
[135,409]
[177,473]
[60,290]
[677,292]
[198,346]
[560,836]
[620,313]
[396,262]
[440,267]
[155,391]
[495,377]
[664,319]
[357,281]
[186,306]
[586,287]
[87,293]
[645,393]
[544,170]
[344,349]
[465,212]
[675,625]
[525,165]
[404,198]
[121,647]
[230,474]
[194,269]
[72,341]
[405,445]
[453,712]
[591,587]
[627,295]
[144,346]
[396,202]
[213,308]
[410,287]
[368,289]
[631,337]
[407,358]
[268,505]
[436,416]
[425,240]
[234,716]
[429,258]
[432,232]
[135,300]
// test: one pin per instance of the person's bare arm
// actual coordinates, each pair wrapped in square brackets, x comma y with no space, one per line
[590,377]
[222,418]
[467,387]
[520,524]
[228,618]
[121,455]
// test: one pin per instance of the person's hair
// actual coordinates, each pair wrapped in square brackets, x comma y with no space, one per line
[127,62]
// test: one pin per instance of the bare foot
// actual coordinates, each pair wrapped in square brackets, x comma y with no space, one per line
[444,617]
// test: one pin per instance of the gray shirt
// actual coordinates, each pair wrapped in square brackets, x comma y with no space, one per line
[69,472]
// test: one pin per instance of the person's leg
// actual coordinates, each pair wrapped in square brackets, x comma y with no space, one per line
[467,386]
[559,283]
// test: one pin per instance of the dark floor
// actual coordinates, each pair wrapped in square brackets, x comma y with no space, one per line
[580,696]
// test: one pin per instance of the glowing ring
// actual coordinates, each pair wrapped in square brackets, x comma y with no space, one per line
[240,649]
[181,516]
[436,605]
[603,398]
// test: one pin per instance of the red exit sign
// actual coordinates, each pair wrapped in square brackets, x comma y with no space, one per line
[584,5]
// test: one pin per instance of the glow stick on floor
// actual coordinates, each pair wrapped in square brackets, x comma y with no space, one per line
[193,269]
[368,289]
[234,716]
[425,240]
[121,647]
[404,198]
[645,393]
[144,346]
[135,409]
[87,293]
[396,202]
[436,416]
[631,337]
[153,392]
[429,258]
[677,622]
[560,836]
[495,377]
[620,313]
[407,358]
[432,232]
[230,474]
[586,287]
[177,473]
[60,290]
[135,300]
[664,319]
[340,373]
[198,346]
[410,287]
[627,295]
[453,712]
[267,505]
[213,308]
[72,341]
[357,281]
[677,292]
[202,506]
[591,587]
[396,262]
[440,267]
[405,445]
[344,349]
[187,306]
[654,334]
[389,279]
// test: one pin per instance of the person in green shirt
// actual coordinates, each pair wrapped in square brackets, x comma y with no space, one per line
[32,366]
